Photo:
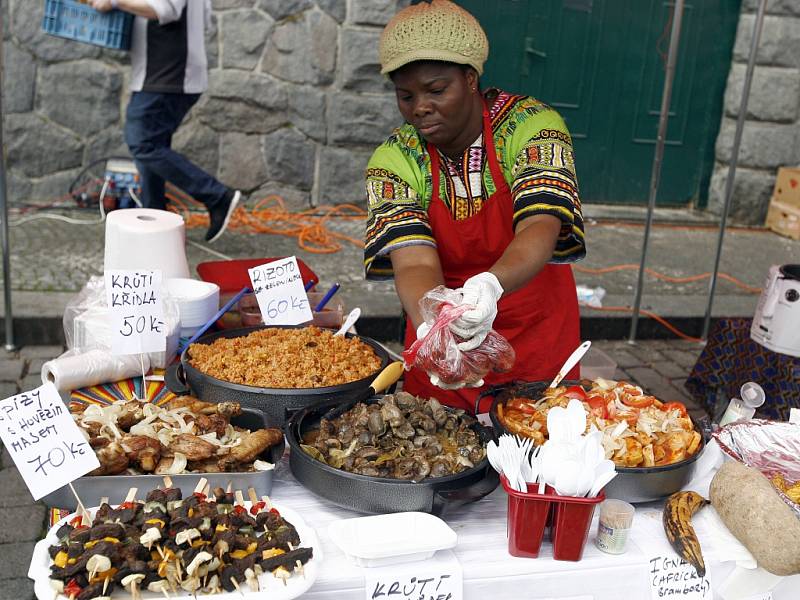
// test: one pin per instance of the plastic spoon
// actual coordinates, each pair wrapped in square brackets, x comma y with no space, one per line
[576,420]
[600,483]
[604,472]
[573,360]
[493,454]
[349,322]
[585,482]
[568,478]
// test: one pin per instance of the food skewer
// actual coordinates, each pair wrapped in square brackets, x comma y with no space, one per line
[189,547]
[201,485]
[81,508]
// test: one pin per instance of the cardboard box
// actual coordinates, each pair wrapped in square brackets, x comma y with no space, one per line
[787,186]
[784,218]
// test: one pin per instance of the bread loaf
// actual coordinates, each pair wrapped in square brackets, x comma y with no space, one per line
[751,508]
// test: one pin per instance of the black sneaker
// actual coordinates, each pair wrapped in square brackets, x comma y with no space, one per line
[221,215]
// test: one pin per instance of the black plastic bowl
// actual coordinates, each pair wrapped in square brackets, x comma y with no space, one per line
[276,403]
[632,484]
[435,495]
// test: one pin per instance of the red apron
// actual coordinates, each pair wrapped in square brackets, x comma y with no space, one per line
[540,320]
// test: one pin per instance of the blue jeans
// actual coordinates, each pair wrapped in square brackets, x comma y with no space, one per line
[151,120]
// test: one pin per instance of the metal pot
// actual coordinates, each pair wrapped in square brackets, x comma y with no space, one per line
[632,484]
[436,495]
[276,403]
[90,488]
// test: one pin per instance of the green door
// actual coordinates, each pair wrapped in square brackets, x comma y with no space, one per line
[600,63]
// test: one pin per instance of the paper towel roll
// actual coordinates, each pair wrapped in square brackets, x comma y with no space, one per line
[74,371]
[145,238]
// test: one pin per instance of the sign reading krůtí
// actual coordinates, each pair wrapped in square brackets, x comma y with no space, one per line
[136,311]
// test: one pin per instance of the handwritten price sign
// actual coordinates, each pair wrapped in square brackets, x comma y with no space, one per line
[278,287]
[45,443]
[137,313]
[439,578]
[673,577]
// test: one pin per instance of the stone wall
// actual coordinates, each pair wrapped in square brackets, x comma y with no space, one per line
[771,135]
[295,106]
[296,102]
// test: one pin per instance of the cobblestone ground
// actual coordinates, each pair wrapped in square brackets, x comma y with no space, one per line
[661,367]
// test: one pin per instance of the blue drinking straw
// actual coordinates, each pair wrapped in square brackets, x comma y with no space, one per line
[215,318]
[327,297]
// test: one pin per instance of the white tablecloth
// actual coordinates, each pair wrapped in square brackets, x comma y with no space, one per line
[490,572]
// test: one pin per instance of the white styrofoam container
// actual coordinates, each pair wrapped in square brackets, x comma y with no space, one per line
[391,539]
[197,300]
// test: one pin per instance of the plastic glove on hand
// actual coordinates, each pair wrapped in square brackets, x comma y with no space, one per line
[481,291]
[451,386]
[423,330]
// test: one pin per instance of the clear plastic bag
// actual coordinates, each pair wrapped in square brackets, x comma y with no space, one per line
[438,352]
[87,325]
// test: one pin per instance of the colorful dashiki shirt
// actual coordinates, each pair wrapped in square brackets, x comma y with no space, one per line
[534,149]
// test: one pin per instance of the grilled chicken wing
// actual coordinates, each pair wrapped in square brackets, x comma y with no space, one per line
[113,460]
[145,451]
[193,447]
[211,423]
[251,446]
[227,409]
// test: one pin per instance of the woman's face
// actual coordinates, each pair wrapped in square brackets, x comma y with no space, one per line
[438,99]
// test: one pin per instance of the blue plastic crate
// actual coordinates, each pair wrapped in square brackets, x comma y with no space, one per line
[76,21]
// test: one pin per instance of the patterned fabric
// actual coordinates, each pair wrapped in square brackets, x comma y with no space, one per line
[731,359]
[121,391]
[535,153]
[464,181]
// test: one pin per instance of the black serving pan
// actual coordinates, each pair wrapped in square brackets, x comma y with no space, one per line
[115,487]
[437,495]
[277,403]
[632,484]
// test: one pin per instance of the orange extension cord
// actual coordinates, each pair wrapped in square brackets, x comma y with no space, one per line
[631,267]
[270,215]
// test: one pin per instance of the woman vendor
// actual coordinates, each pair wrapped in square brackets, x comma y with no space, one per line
[476,191]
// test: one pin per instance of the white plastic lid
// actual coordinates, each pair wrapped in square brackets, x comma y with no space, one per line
[752,394]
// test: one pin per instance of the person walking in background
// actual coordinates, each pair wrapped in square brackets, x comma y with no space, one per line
[169,73]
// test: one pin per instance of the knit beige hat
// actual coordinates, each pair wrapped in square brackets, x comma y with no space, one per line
[439,30]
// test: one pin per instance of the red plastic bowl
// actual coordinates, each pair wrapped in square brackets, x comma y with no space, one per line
[232,276]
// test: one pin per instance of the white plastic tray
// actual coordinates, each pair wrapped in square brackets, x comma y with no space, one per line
[271,587]
[392,538]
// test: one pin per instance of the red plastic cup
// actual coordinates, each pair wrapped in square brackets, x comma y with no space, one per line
[527,516]
[572,518]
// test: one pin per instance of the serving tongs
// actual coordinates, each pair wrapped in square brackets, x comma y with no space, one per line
[385,379]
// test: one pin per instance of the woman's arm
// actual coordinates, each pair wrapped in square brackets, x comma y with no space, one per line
[137,7]
[416,270]
[528,253]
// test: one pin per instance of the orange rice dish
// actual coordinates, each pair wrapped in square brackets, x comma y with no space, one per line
[286,358]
